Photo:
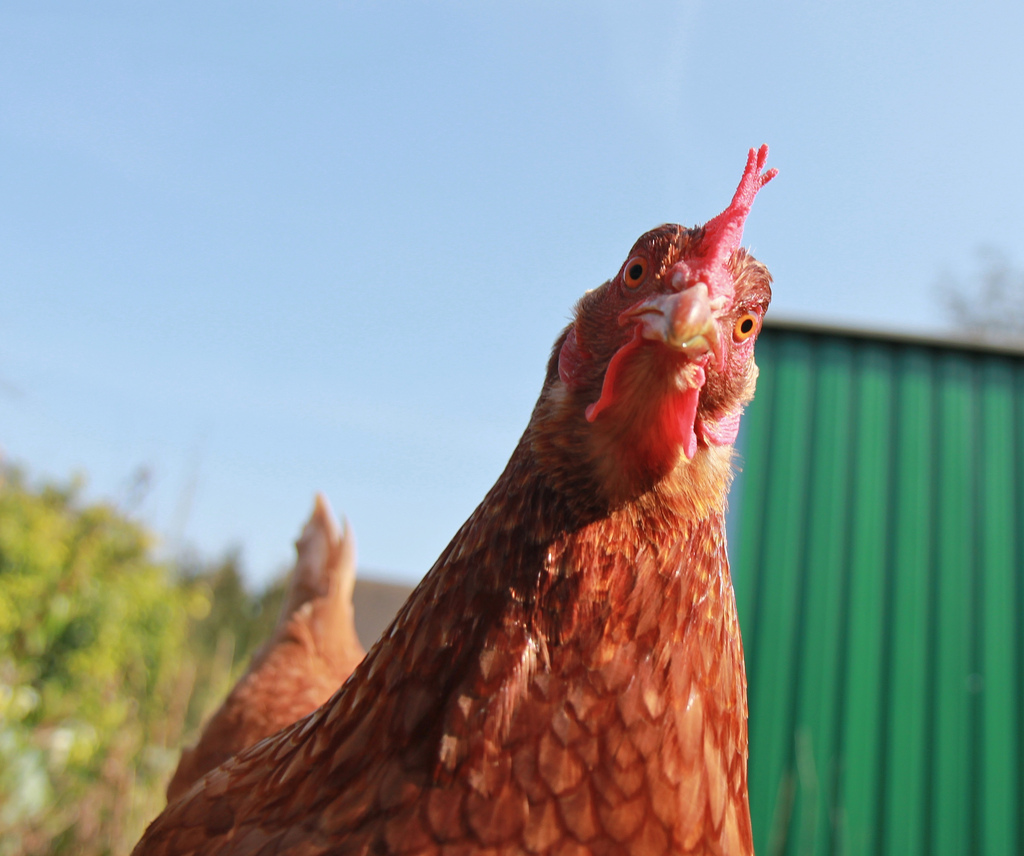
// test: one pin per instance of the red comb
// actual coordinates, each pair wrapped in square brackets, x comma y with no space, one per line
[722,234]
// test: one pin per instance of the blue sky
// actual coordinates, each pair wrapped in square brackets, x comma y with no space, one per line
[265,249]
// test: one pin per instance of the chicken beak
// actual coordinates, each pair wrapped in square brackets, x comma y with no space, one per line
[682,320]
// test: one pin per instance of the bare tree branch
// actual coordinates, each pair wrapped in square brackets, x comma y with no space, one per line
[989,305]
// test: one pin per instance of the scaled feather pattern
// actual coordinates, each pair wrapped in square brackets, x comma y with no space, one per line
[568,677]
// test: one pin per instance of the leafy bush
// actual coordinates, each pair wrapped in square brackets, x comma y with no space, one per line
[106,666]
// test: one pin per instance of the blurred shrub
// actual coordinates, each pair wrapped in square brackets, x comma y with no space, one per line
[108,661]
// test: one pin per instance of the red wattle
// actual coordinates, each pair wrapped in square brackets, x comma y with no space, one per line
[611,373]
[687,416]
[684,413]
[678,415]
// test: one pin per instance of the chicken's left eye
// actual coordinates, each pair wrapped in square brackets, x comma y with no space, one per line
[746,326]
[633,275]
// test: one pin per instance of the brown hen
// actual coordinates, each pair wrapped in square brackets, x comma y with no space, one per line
[568,677]
[312,650]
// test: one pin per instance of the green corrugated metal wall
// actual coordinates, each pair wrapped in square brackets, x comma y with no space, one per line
[878,543]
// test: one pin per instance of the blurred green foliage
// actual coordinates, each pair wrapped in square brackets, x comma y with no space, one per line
[109,662]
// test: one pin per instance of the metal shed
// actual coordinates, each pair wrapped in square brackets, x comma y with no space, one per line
[877,532]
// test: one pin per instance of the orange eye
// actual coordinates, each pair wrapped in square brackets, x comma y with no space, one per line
[746,326]
[634,273]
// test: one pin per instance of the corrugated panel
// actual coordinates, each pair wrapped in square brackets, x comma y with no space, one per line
[877,560]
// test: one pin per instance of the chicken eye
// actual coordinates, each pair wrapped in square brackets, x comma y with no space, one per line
[636,267]
[746,326]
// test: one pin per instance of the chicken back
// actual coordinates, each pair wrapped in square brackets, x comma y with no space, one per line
[568,677]
[312,650]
